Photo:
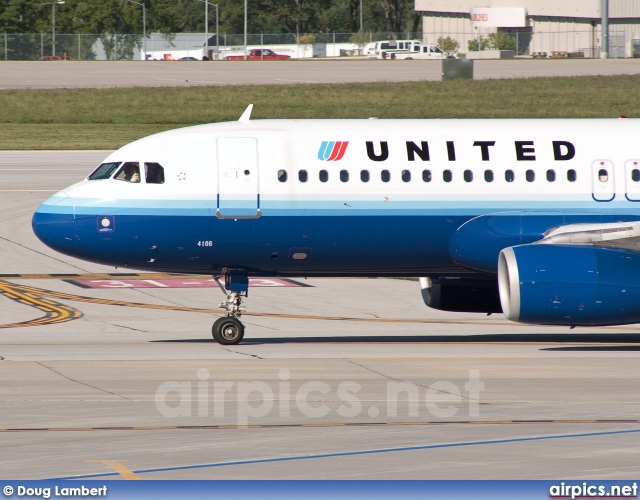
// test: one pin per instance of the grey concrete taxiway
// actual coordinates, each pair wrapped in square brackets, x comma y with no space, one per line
[77,74]
[345,378]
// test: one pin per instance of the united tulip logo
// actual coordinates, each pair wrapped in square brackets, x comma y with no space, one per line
[332,150]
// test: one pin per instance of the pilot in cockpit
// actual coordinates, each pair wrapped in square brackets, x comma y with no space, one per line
[129,173]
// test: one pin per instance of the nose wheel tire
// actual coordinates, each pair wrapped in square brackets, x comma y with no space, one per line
[228,331]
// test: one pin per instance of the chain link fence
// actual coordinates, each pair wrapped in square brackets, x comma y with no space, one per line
[37,46]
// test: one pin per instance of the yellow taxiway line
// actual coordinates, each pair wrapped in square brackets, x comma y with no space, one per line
[327,424]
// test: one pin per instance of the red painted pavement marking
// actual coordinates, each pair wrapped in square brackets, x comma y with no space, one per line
[177,283]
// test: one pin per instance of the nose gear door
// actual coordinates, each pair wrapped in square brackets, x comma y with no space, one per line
[238,195]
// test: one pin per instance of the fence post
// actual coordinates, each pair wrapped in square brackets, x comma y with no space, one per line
[79,49]
[5,46]
[41,45]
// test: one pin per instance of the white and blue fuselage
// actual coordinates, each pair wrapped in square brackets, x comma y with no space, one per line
[437,198]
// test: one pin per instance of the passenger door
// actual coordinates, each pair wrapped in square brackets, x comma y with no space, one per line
[238,178]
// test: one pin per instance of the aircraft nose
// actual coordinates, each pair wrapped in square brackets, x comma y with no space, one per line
[53,223]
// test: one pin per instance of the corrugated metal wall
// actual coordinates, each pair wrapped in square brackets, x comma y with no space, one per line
[566,8]
[550,33]
[624,8]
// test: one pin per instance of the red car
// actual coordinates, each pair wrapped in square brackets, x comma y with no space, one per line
[56,58]
[260,55]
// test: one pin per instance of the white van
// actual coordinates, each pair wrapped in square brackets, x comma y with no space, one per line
[382,49]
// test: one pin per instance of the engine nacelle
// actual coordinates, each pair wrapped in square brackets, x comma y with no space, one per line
[569,285]
[461,295]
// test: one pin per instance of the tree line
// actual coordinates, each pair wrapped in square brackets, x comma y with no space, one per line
[185,16]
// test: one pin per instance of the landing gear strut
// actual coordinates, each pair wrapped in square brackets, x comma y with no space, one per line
[228,330]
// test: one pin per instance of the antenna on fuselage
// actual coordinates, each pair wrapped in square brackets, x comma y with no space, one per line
[246,116]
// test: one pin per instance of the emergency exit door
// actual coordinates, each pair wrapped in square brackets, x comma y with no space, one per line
[602,180]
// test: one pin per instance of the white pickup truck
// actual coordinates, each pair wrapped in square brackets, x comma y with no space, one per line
[420,52]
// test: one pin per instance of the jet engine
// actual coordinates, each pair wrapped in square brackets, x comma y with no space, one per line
[575,285]
[461,295]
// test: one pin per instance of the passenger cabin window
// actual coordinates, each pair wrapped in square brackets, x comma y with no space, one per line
[530,175]
[323,175]
[551,175]
[385,176]
[344,175]
[426,175]
[635,175]
[447,176]
[282,175]
[153,173]
[104,171]
[303,176]
[509,176]
[603,175]
[406,175]
[571,175]
[364,175]
[488,175]
[130,172]
[468,176]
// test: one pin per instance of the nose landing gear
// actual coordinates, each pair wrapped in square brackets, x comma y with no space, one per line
[228,330]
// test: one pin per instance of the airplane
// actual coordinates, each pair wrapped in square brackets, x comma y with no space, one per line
[536,218]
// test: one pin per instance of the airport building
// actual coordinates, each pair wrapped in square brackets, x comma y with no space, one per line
[567,28]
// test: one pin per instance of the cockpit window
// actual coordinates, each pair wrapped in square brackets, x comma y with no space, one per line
[104,171]
[154,173]
[130,172]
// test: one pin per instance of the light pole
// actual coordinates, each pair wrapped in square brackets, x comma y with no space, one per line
[206,26]
[360,15]
[604,44]
[144,27]
[53,23]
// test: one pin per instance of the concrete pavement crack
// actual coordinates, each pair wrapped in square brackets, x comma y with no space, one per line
[243,353]
[82,383]
[409,382]
[43,254]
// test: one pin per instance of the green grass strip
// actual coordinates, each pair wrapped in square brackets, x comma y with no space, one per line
[110,118]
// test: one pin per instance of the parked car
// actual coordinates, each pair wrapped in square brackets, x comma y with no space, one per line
[259,55]
[57,58]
